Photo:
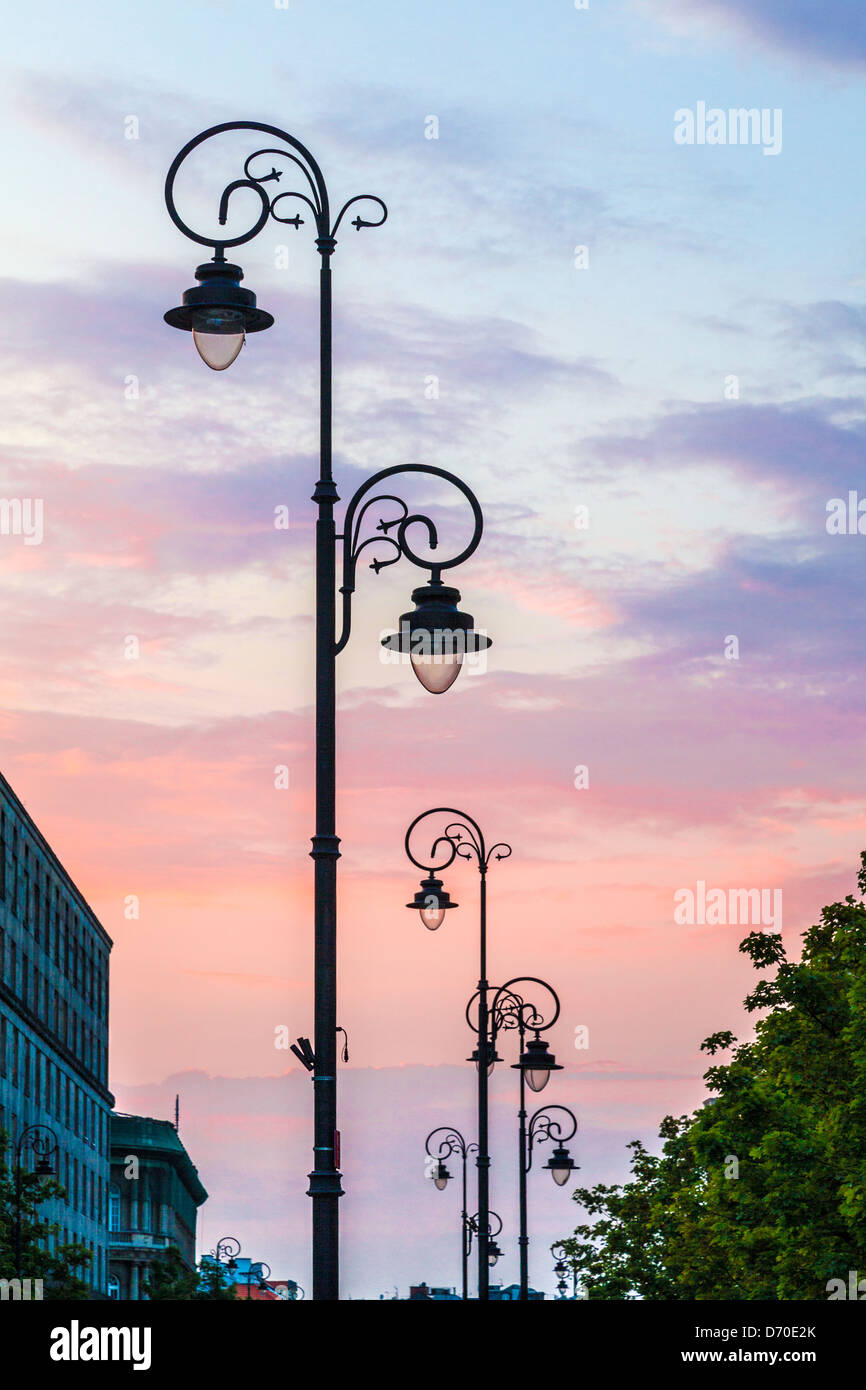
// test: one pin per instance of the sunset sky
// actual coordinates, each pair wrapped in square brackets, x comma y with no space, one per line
[692,379]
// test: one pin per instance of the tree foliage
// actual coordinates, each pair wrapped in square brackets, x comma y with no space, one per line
[170,1279]
[761,1193]
[57,1269]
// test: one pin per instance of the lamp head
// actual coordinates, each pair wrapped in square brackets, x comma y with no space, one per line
[441,1176]
[561,1166]
[219,313]
[536,1063]
[436,636]
[432,901]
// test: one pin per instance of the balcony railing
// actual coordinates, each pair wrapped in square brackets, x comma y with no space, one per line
[143,1239]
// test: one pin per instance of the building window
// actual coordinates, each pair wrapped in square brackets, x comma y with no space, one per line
[114,1208]
[114,1287]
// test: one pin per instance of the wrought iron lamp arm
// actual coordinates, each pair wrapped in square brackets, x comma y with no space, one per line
[542,1126]
[353,545]
[316,199]
[453,1142]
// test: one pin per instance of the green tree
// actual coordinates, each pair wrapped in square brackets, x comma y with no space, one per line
[169,1278]
[58,1269]
[761,1193]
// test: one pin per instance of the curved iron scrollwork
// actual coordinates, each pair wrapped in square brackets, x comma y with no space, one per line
[354,545]
[508,1009]
[473,1224]
[544,1125]
[451,1143]
[463,837]
[227,1248]
[315,196]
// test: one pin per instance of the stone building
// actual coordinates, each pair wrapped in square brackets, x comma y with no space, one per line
[153,1202]
[54,1029]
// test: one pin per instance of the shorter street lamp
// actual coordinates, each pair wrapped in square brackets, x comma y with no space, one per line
[261,1271]
[561,1256]
[474,1228]
[452,1142]
[43,1142]
[509,1010]
[226,1252]
[462,837]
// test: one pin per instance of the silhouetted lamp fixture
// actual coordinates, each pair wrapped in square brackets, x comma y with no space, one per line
[561,1166]
[432,901]
[493,1252]
[436,636]
[536,1063]
[441,1176]
[492,1058]
[219,313]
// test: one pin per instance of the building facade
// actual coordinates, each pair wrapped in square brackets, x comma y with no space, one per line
[54,1029]
[154,1198]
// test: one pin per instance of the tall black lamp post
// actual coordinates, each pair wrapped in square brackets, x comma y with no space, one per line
[509,1010]
[452,1142]
[435,636]
[462,837]
[43,1143]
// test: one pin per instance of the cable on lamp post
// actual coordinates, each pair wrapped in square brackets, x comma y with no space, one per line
[435,636]
[463,838]
[452,1142]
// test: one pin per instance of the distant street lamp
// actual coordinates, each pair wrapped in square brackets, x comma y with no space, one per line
[561,1268]
[435,635]
[462,837]
[452,1142]
[476,1227]
[509,1010]
[225,1254]
[43,1143]
[261,1271]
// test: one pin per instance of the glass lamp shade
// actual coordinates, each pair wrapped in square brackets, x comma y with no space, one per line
[493,1253]
[563,1288]
[492,1059]
[436,636]
[441,1176]
[44,1168]
[433,915]
[218,335]
[219,312]
[437,673]
[432,902]
[561,1166]
[536,1063]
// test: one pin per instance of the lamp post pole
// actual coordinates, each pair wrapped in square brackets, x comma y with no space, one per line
[436,635]
[510,1011]
[463,838]
[453,1142]
[43,1141]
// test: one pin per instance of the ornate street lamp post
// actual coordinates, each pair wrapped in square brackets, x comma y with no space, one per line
[508,1010]
[463,837]
[435,635]
[561,1268]
[475,1226]
[43,1142]
[452,1142]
